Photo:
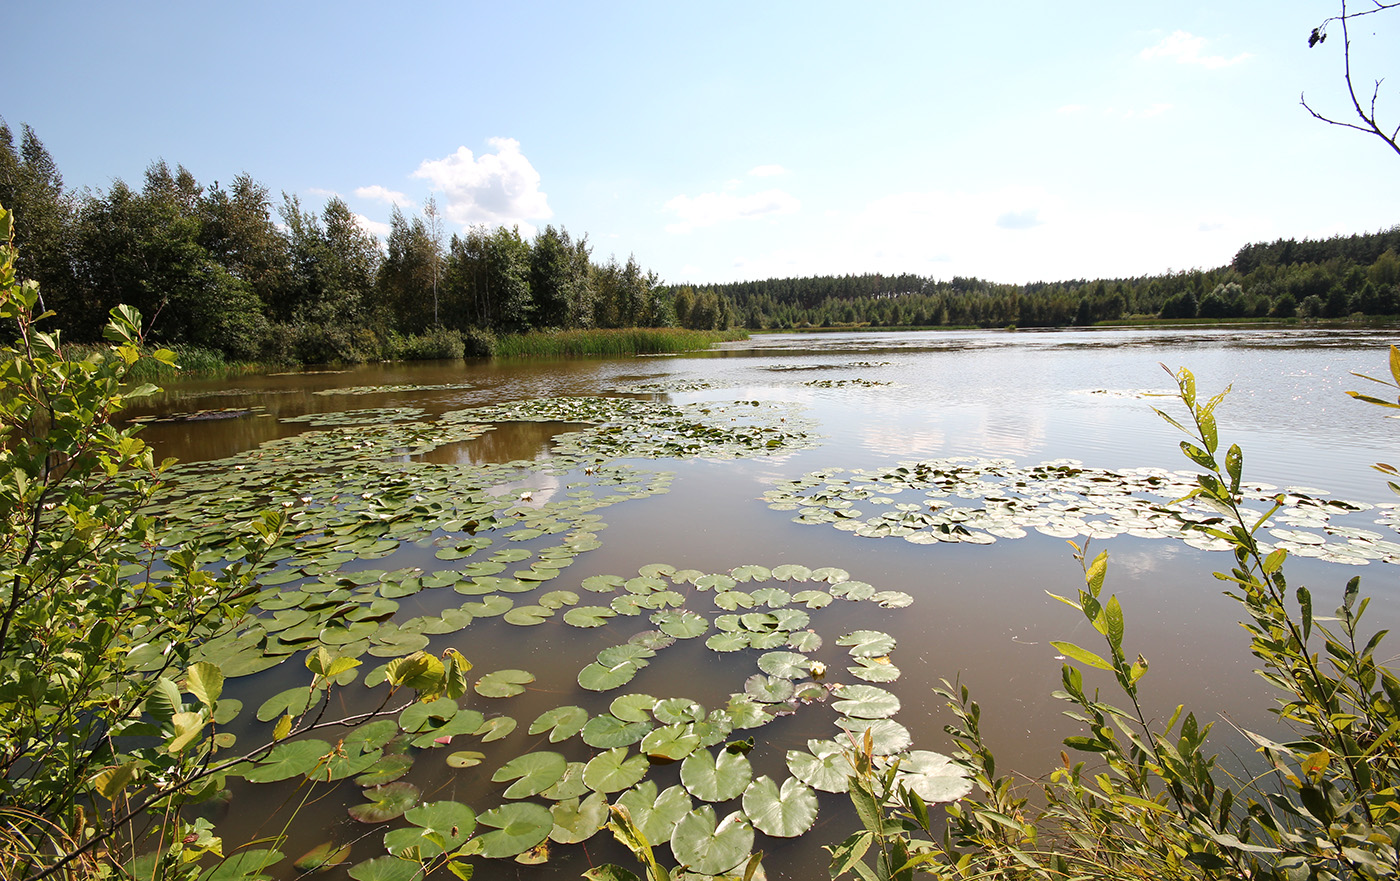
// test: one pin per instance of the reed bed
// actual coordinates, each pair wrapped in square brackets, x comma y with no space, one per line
[612,343]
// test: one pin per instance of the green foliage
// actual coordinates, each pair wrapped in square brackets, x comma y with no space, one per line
[1152,802]
[610,343]
[109,725]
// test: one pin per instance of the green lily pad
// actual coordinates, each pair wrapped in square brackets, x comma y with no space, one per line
[596,677]
[503,683]
[571,785]
[934,776]
[322,857]
[804,641]
[751,573]
[288,760]
[496,728]
[385,802]
[887,736]
[386,868]
[614,770]
[715,582]
[867,643]
[608,732]
[576,821]
[714,778]
[727,642]
[785,665]
[527,616]
[533,773]
[872,670]
[681,624]
[671,742]
[674,710]
[708,848]
[782,813]
[516,827]
[768,689]
[865,702]
[633,708]
[386,769]
[588,616]
[823,766]
[465,758]
[561,722]
[812,599]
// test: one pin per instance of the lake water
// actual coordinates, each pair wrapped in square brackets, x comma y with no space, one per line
[980,612]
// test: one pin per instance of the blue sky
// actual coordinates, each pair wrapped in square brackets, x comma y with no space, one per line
[1014,141]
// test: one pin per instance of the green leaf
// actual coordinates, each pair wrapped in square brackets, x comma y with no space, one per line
[386,868]
[533,773]
[516,827]
[1083,656]
[614,770]
[708,848]
[561,722]
[716,778]
[385,802]
[206,682]
[934,776]
[576,821]
[503,683]
[783,813]
[865,702]
[288,760]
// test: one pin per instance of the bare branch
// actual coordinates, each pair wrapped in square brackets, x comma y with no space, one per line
[1369,123]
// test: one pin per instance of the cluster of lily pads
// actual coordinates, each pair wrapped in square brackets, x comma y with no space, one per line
[980,500]
[845,383]
[630,428]
[393,389]
[212,414]
[366,416]
[625,755]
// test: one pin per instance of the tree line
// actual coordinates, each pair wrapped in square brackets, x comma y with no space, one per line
[1340,277]
[222,268]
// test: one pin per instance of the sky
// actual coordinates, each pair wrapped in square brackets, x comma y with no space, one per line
[1014,141]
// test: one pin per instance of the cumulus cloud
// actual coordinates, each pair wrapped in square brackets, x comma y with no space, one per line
[379,230]
[382,194]
[767,171]
[1186,48]
[496,189]
[708,209]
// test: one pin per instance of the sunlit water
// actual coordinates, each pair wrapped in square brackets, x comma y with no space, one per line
[981,614]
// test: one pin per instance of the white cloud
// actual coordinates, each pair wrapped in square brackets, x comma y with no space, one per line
[708,209]
[379,230]
[497,189]
[1185,48]
[767,171]
[383,194]
[321,191]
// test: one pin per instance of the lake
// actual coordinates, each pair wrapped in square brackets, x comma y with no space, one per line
[712,461]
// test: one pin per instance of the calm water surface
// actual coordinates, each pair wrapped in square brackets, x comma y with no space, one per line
[980,614]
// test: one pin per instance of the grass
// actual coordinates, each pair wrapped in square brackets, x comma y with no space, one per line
[612,343]
[192,361]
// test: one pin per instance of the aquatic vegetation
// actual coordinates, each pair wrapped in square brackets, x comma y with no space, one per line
[980,500]
[402,388]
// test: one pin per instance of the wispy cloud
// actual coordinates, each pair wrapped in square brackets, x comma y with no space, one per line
[708,209]
[379,230]
[497,189]
[383,194]
[1020,219]
[1185,48]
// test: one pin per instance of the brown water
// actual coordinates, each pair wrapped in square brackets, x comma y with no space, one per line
[980,614]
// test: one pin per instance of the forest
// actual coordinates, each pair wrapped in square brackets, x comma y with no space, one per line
[223,268]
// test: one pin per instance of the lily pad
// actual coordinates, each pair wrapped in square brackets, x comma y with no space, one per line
[614,770]
[867,643]
[934,776]
[385,802]
[715,778]
[708,848]
[561,722]
[608,732]
[823,766]
[516,827]
[503,683]
[533,773]
[865,702]
[784,812]
[576,821]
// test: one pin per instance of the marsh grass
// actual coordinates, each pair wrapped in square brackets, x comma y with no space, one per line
[612,343]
